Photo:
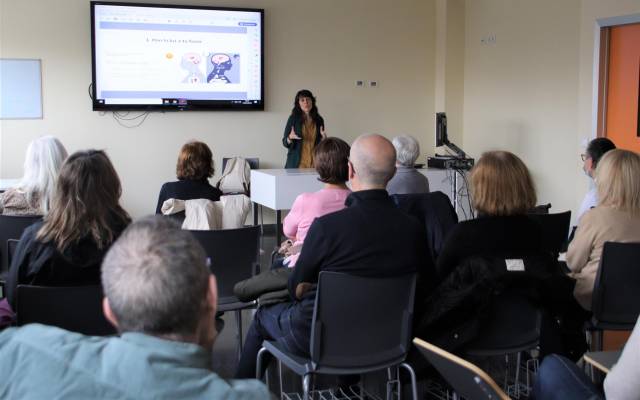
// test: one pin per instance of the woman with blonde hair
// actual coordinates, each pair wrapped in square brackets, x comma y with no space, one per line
[497,259]
[32,196]
[67,247]
[615,219]
[502,191]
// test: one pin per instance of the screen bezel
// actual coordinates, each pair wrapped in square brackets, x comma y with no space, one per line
[192,105]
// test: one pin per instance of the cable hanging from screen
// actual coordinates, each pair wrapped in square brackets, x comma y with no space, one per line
[123,118]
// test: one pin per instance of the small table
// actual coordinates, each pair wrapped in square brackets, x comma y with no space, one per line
[277,189]
[602,360]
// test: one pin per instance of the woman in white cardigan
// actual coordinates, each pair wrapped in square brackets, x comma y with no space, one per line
[615,219]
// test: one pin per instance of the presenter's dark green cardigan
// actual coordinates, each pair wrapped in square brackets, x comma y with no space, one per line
[295,147]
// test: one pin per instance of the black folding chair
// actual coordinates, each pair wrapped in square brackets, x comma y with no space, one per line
[555,230]
[434,211]
[360,325]
[513,325]
[540,209]
[614,302]
[234,256]
[465,378]
[12,245]
[11,227]
[77,309]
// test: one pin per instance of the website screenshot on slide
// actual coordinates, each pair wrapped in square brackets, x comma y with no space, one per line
[146,55]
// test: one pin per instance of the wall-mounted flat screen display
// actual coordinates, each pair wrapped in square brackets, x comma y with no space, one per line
[176,57]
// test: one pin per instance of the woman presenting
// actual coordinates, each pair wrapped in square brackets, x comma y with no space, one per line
[304,130]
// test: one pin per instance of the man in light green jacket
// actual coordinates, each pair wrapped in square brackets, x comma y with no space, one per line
[161,297]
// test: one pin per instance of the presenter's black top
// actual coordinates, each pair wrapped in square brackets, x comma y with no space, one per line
[187,189]
[295,147]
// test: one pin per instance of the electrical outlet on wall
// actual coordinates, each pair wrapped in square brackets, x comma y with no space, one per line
[359,83]
[489,39]
[373,84]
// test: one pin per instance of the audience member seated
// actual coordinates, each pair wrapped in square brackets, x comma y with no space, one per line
[32,196]
[615,219]
[502,191]
[193,170]
[560,379]
[370,237]
[473,262]
[407,179]
[594,152]
[67,247]
[160,296]
[330,161]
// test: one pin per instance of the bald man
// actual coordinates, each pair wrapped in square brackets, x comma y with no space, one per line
[370,237]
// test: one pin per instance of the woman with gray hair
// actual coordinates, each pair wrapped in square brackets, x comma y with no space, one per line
[407,180]
[33,194]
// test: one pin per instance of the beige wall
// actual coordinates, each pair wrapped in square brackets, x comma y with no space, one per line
[321,45]
[530,92]
[454,67]
[520,93]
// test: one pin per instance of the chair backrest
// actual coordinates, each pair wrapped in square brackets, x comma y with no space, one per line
[77,309]
[555,229]
[615,293]
[513,324]
[361,322]
[11,227]
[466,379]
[233,253]
[254,162]
[12,245]
[434,211]
[540,209]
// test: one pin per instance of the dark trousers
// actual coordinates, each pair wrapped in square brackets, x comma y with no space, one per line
[284,323]
[561,379]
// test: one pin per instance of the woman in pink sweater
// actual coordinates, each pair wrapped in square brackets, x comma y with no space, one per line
[330,161]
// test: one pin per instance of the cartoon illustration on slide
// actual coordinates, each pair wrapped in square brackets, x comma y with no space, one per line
[222,69]
[191,63]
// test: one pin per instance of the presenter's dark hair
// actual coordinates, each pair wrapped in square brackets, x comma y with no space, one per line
[195,162]
[502,185]
[330,159]
[597,148]
[85,203]
[297,111]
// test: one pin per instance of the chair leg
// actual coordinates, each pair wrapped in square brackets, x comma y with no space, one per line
[255,214]
[389,384]
[597,340]
[517,378]
[399,386]
[306,386]
[414,385]
[259,362]
[280,376]
[239,333]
